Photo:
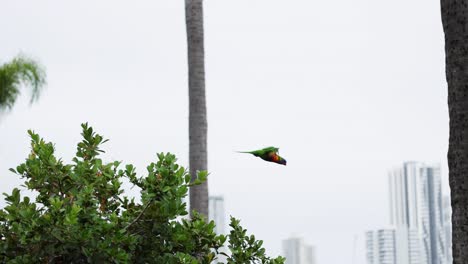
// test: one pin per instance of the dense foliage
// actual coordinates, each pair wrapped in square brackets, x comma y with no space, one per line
[80,214]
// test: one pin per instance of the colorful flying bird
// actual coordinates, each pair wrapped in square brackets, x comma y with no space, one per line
[268,154]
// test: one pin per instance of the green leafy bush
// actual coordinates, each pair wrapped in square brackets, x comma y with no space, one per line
[80,214]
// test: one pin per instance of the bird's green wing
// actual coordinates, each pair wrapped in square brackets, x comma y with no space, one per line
[270,149]
[262,151]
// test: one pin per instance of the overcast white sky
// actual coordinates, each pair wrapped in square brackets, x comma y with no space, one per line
[346,89]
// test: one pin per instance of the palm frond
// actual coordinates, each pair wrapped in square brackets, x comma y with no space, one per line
[21,70]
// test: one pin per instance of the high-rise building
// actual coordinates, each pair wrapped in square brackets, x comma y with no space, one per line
[297,252]
[419,216]
[380,246]
[432,216]
[416,213]
[217,214]
[447,223]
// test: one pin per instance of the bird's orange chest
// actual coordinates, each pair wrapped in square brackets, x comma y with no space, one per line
[273,156]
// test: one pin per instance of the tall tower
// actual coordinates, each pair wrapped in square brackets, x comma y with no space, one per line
[416,213]
[432,216]
[297,252]
[447,223]
[380,246]
[217,214]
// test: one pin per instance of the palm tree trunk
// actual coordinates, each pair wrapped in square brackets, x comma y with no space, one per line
[197,102]
[455,23]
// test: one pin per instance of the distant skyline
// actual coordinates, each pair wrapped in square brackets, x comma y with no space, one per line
[345,93]
[416,204]
[418,229]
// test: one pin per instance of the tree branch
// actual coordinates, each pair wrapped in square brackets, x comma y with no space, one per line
[139,216]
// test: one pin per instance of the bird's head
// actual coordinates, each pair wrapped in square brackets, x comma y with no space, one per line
[282,161]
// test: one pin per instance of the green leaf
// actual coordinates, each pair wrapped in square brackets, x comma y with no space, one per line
[129,169]
[202,175]
[187,178]
[182,190]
